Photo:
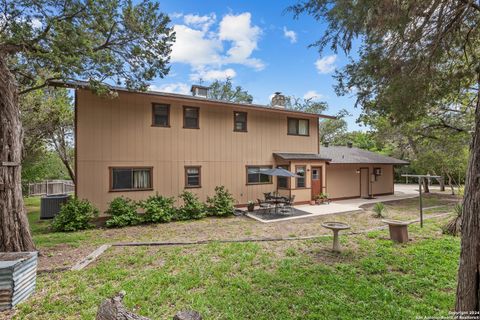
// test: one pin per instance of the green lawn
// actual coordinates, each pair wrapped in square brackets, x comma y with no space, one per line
[372,279]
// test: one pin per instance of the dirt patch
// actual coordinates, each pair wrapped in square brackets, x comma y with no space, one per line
[61,256]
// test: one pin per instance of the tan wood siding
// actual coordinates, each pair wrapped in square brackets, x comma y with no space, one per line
[119,132]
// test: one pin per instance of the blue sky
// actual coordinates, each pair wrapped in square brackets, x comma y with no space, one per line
[258,45]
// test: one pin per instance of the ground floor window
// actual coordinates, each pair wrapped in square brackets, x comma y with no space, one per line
[283,182]
[130,179]
[193,177]
[255,176]
[300,171]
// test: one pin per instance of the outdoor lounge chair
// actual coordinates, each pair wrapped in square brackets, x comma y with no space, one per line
[265,206]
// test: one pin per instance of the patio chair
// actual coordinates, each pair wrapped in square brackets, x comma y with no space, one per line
[267,195]
[287,206]
[265,206]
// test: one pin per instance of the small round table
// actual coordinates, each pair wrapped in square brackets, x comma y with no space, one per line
[336,227]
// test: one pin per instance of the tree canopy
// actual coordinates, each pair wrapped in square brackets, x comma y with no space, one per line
[418,63]
[224,90]
[97,41]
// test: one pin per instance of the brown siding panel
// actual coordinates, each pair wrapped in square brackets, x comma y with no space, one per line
[119,132]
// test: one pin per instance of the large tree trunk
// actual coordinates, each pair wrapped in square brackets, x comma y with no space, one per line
[14,230]
[468,272]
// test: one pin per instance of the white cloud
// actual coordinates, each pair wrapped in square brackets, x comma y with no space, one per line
[194,47]
[212,75]
[202,47]
[244,37]
[313,95]
[290,35]
[201,22]
[178,87]
[326,64]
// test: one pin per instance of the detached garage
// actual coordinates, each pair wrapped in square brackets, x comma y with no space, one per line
[358,173]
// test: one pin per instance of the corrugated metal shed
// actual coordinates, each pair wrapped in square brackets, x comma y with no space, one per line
[18,274]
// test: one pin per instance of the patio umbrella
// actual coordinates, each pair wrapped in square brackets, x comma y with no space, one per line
[279,172]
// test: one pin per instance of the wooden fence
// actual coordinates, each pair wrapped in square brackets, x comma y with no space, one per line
[51,187]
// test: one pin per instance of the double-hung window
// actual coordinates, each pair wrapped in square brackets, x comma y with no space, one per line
[160,115]
[300,171]
[239,121]
[192,177]
[298,127]
[283,182]
[130,179]
[255,175]
[191,117]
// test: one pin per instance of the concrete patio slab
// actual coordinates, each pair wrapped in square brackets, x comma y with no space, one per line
[345,206]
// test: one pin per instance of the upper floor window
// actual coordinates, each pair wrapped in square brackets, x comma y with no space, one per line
[240,121]
[192,177]
[160,115]
[130,179]
[191,117]
[255,176]
[298,127]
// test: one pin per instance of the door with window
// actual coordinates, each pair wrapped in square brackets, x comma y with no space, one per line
[316,181]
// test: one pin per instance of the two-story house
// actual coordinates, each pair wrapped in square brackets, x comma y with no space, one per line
[142,143]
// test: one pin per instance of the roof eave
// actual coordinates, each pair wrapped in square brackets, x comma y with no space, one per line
[85,85]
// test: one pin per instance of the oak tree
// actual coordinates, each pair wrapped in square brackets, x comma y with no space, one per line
[100,41]
[415,58]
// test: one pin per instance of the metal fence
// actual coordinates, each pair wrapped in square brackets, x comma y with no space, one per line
[51,187]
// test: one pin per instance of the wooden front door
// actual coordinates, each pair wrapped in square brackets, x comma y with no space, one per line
[364,183]
[316,181]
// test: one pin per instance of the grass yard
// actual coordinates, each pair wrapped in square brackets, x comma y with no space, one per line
[372,279]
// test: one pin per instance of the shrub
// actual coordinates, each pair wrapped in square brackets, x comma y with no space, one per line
[379,210]
[75,215]
[123,213]
[222,203]
[453,227]
[192,208]
[158,209]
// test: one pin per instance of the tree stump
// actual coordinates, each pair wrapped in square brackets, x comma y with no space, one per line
[187,315]
[113,309]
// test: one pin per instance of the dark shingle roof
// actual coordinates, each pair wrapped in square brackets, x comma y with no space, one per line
[355,155]
[299,156]
[84,85]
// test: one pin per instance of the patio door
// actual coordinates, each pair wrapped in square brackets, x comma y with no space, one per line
[316,181]
[364,183]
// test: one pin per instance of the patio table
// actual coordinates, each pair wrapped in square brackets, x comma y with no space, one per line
[276,200]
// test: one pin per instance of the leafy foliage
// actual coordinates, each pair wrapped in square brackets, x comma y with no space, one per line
[123,213]
[158,209]
[224,90]
[192,207]
[454,226]
[222,203]
[379,210]
[75,215]
[48,121]
[96,40]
